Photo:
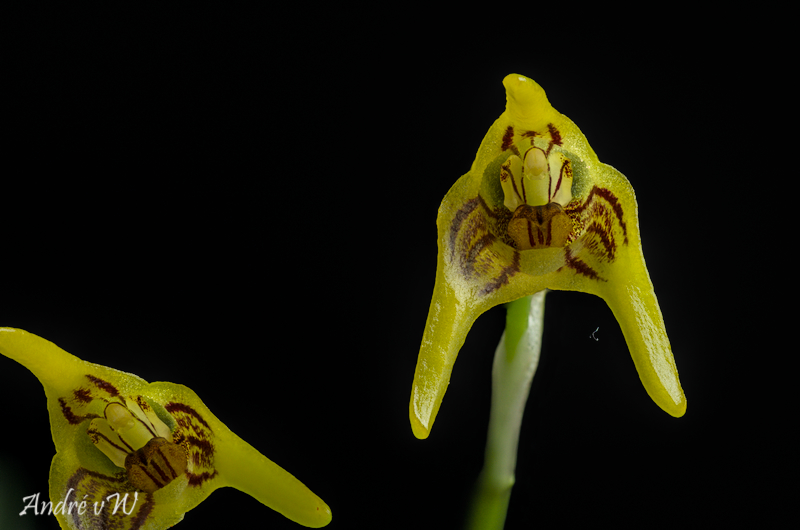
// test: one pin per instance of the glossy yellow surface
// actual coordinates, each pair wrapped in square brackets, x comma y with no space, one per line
[480,265]
[79,392]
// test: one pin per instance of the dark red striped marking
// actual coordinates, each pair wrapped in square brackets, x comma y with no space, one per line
[508,139]
[103,385]
[173,407]
[95,435]
[151,467]
[172,472]
[71,417]
[204,456]
[198,479]
[195,436]
[505,275]
[566,168]
[580,266]
[601,232]
[470,237]
[143,513]
[555,135]
[612,201]
[144,469]
[161,473]
[91,487]
[83,395]
[462,215]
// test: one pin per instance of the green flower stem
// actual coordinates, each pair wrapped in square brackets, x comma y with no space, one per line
[515,362]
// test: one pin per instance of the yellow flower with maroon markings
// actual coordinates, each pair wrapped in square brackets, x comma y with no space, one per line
[157,442]
[536,211]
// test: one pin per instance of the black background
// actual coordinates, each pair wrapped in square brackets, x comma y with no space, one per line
[245,203]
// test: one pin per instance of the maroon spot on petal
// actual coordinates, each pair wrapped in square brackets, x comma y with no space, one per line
[143,404]
[554,134]
[82,394]
[103,385]
[508,138]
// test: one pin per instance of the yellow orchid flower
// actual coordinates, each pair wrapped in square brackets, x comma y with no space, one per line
[536,211]
[116,434]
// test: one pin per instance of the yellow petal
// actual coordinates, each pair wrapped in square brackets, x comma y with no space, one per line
[247,470]
[634,304]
